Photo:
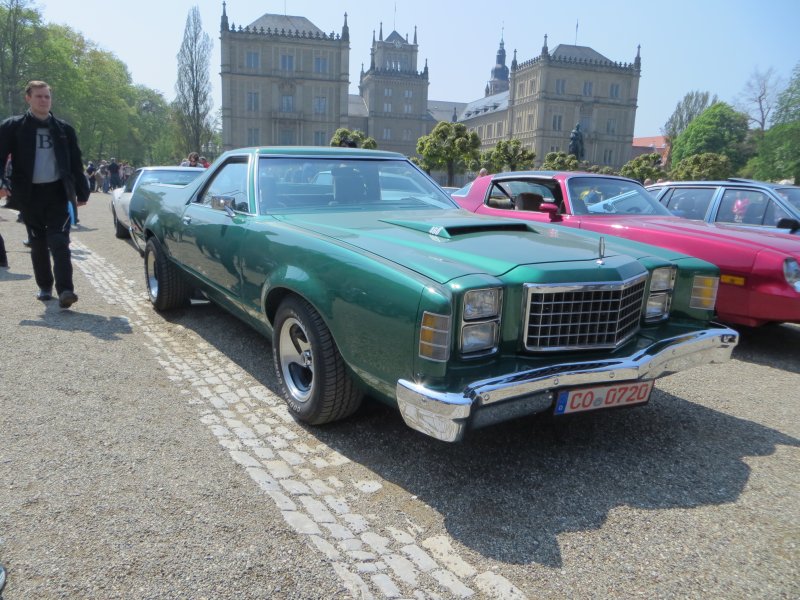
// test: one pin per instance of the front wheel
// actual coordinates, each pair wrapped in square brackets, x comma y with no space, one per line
[166,286]
[315,382]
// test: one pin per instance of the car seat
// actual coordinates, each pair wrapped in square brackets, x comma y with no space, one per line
[528,201]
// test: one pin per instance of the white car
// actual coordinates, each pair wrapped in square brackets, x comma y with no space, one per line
[121,197]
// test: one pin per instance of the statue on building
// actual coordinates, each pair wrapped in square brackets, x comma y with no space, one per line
[576,142]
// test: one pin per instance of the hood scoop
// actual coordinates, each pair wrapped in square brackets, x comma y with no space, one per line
[455,228]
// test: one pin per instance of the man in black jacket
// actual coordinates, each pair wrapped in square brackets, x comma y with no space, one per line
[46,173]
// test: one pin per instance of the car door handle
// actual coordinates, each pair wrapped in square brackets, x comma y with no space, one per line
[186,220]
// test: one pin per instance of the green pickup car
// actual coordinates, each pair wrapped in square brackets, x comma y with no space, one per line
[371,281]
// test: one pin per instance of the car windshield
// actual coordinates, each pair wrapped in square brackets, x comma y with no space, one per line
[791,195]
[607,196]
[301,184]
[176,177]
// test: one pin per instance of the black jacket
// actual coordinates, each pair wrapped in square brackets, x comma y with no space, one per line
[18,139]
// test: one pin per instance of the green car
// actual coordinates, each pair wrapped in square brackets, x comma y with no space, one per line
[371,281]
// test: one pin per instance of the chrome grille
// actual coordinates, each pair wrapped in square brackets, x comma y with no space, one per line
[583,316]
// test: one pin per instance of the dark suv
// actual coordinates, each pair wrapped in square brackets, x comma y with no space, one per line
[741,202]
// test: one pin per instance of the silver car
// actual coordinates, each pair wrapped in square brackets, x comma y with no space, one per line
[121,197]
[736,202]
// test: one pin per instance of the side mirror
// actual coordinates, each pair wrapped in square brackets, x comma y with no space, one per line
[223,203]
[793,225]
[552,211]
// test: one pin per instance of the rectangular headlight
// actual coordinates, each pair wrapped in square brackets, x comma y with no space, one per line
[662,279]
[481,304]
[704,292]
[657,307]
[477,337]
[434,337]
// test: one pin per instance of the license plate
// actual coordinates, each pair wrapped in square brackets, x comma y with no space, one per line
[606,396]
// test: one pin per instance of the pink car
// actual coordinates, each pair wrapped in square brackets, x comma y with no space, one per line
[760,272]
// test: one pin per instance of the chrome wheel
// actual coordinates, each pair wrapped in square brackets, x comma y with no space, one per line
[296,359]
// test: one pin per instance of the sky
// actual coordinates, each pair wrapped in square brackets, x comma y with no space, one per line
[686,45]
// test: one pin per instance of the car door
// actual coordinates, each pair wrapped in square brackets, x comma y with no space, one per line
[212,229]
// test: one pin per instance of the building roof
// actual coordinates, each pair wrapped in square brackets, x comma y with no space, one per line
[476,108]
[577,52]
[653,141]
[356,107]
[442,110]
[286,22]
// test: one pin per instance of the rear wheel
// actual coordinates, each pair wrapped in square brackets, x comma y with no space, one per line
[315,382]
[166,286]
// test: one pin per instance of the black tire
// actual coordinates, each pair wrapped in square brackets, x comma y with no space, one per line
[120,231]
[166,286]
[313,377]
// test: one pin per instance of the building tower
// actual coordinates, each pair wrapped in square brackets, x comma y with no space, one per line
[499,81]
[395,93]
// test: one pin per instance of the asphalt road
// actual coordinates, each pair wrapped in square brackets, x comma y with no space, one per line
[146,455]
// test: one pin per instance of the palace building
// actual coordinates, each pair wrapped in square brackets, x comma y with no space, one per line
[540,101]
[285,81]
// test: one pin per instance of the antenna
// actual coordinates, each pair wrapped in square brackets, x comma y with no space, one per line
[576,32]
[394,21]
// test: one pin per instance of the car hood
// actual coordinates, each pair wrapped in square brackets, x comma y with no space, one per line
[447,244]
[698,232]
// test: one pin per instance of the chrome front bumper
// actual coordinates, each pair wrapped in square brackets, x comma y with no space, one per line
[447,415]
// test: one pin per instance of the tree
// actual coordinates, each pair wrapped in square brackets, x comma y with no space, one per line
[787,109]
[685,112]
[778,154]
[193,88]
[512,154]
[646,166]
[352,139]
[560,161]
[720,130]
[449,147]
[18,28]
[702,166]
[758,98]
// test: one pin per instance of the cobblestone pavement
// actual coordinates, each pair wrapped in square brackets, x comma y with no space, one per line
[695,495]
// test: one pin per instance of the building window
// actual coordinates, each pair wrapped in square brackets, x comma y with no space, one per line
[611,126]
[555,149]
[406,135]
[320,139]
[531,87]
[287,103]
[587,88]
[251,60]
[320,64]
[387,92]
[489,131]
[499,129]
[253,136]
[557,122]
[518,124]
[561,86]
[407,109]
[252,101]
[287,137]
[586,124]
[480,132]
[387,107]
[614,90]
[608,156]
[520,90]
[408,94]
[287,62]
[387,133]
[320,105]
[530,121]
